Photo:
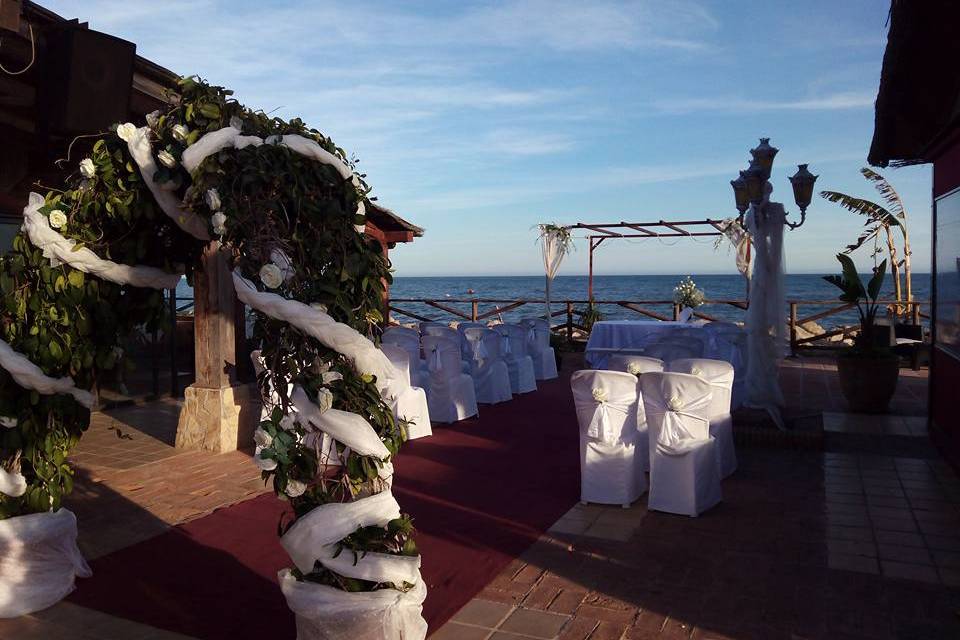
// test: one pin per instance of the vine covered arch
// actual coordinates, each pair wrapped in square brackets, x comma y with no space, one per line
[288,209]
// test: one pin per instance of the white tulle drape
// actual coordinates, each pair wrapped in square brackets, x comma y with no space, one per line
[766,316]
[58,249]
[554,249]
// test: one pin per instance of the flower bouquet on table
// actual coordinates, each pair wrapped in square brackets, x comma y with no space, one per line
[688,297]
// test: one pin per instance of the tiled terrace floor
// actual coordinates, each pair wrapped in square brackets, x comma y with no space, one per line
[805,545]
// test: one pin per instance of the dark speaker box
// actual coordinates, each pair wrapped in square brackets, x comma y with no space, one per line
[87,80]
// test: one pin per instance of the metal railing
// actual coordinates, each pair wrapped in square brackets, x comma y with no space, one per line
[470,309]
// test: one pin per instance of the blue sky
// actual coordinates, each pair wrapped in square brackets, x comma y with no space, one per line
[479,120]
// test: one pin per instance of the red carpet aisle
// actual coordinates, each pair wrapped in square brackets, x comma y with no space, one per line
[480,492]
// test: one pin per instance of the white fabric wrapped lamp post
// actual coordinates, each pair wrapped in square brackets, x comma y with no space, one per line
[766,314]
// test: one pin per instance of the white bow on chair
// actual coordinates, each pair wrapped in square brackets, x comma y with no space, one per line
[600,427]
[506,345]
[479,350]
[682,430]
[436,362]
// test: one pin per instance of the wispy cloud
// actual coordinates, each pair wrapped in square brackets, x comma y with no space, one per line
[735,104]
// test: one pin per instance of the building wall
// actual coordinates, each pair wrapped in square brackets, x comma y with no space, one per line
[945,365]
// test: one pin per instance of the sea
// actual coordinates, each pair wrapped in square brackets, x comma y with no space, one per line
[444,289]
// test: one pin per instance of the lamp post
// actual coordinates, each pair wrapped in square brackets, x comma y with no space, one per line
[765,220]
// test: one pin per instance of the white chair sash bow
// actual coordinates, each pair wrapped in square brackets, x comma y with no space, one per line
[603,426]
[682,428]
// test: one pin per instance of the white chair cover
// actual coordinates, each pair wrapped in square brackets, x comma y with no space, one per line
[670,349]
[514,351]
[409,341]
[611,462]
[637,365]
[463,326]
[491,378]
[429,323]
[641,364]
[544,358]
[684,466]
[440,330]
[720,376]
[411,403]
[451,395]
[731,345]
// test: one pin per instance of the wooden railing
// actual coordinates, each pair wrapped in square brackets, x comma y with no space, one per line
[572,317]
[911,312]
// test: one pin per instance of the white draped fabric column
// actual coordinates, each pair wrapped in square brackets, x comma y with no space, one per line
[554,248]
[766,316]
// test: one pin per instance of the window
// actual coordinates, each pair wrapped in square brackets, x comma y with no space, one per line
[946,329]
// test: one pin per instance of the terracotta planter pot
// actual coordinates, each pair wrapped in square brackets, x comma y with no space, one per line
[868,382]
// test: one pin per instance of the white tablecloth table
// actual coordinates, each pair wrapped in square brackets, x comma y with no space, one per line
[609,336]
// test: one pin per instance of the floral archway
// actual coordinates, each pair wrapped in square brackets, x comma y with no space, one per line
[288,209]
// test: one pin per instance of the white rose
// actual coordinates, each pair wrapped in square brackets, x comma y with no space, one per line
[57,218]
[288,423]
[179,132]
[87,170]
[600,395]
[322,308]
[331,376]
[262,438]
[282,260]
[324,399]
[634,368]
[12,484]
[295,488]
[126,131]
[218,221]
[212,198]
[167,159]
[153,119]
[264,464]
[271,276]
[675,403]
[8,422]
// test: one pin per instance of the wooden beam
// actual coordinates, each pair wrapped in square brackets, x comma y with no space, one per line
[680,231]
[637,227]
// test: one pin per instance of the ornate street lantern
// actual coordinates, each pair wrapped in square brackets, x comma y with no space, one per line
[755,179]
[740,194]
[764,154]
[802,182]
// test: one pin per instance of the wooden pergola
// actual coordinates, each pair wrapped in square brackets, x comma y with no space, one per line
[597,233]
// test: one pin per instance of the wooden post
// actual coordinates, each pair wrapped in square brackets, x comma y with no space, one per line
[590,274]
[474,310]
[916,312]
[793,329]
[219,414]
[172,342]
[569,321]
[676,312]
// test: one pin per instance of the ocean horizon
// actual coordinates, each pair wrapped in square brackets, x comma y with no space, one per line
[445,289]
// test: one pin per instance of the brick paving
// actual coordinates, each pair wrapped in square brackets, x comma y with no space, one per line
[836,544]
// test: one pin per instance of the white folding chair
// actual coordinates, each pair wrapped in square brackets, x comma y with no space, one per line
[514,352]
[637,366]
[451,396]
[611,458]
[491,378]
[632,363]
[410,403]
[730,345]
[674,349]
[539,349]
[408,340]
[720,376]
[684,466]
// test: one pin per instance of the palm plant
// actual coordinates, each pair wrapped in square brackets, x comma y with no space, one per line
[865,298]
[881,221]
